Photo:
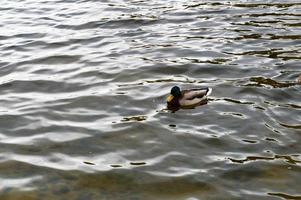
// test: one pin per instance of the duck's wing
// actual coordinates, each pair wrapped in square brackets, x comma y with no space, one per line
[197,93]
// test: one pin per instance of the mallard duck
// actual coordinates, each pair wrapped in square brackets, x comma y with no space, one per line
[187,98]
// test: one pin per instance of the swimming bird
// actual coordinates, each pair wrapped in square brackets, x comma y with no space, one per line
[187,98]
[299,79]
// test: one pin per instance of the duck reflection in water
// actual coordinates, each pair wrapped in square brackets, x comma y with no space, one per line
[187,99]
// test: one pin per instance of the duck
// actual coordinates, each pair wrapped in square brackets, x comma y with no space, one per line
[187,99]
[299,79]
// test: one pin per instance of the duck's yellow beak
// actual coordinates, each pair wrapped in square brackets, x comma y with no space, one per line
[170,98]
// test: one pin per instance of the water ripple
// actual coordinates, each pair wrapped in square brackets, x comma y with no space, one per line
[83,90]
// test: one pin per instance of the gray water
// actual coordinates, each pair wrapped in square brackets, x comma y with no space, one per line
[83,91]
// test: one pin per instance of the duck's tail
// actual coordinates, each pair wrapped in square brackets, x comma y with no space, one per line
[205,94]
[209,91]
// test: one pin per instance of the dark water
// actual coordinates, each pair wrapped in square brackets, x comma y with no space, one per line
[83,88]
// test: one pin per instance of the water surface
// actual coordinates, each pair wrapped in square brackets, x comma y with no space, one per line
[83,88]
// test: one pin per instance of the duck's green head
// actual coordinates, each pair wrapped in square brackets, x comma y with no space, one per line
[176,91]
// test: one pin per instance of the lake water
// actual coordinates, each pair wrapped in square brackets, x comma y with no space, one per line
[83,97]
